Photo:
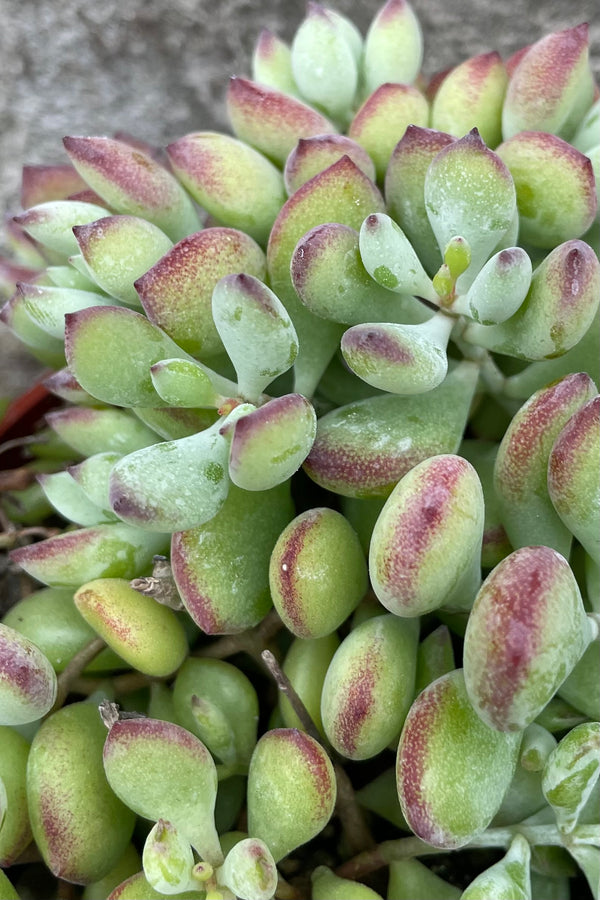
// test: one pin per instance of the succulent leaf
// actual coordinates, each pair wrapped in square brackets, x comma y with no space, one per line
[326,885]
[383,119]
[133,183]
[90,431]
[71,501]
[270,443]
[168,859]
[521,468]
[270,120]
[50,619]
[426,545]
[469,191]
[508,879]
[214,700]
[369,686]
[317,573]
[118,250]
[393,46]
[146,634]
[390,259]
[472,96]
[159,769]
[452,769]
[232,181]
[15,829]
[315,154]
[560,307]
[80,827]
[404,189]
[571,772]
[364,448]
[221,568]
[253,324]
[47,305]
[249,870]
[114,550]
[573,476]
[272,63]
[110,352]
[536,159]
[291,790]
[51,223]
[551,87]
[499,288]
[526,632]
[173,485]
[412,880]
[176,293]
[329,277]
[306,664]
[401,359]
[184,382]
[27,680]
[320,46]
[343,194]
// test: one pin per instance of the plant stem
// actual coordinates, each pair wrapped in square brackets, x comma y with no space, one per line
[251,642]
[285,686]
[347,808]
[74,668]
[405,848]
[13,537]
[285,890]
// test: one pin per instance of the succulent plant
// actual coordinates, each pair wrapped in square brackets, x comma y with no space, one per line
[309,534]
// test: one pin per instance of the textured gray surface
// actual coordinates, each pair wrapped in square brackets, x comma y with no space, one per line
[159,69]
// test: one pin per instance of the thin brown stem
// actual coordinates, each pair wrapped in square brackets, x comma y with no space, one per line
[285,890]
[74,668]
[22,442]
[13,536]
[65,890]
[405,848]
[348,811]
[252,642]
[121,684]
[285,686]
[382,855]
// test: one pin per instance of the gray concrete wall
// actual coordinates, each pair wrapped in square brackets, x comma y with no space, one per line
[159,68]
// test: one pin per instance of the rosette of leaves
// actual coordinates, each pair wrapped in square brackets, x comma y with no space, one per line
[358,334]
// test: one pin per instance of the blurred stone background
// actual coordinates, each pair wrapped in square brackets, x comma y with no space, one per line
[159,69]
